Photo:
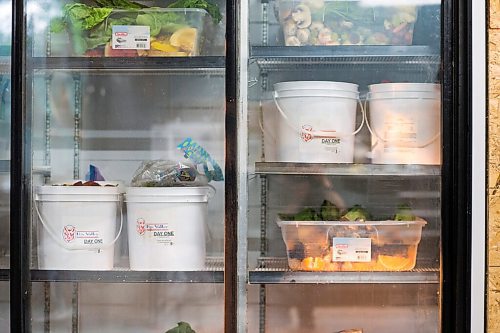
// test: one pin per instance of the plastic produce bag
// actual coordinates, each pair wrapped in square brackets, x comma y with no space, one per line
[94,174]
[164,173]
[198,155]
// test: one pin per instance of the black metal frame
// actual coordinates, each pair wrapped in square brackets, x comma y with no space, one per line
[456,180]
[20,286]
[231,170]
[457,161]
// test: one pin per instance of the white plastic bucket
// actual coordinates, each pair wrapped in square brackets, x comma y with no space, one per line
[77,226]
[405,123]
[316,121]
[166,228]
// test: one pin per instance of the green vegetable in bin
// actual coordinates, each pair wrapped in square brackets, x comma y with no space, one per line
[212,9]
[119,4]
[356,213]
[182,327]
[404,213]
[307,214]
[329,212]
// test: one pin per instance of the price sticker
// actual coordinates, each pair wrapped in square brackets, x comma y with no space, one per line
[352,249]
[131,37]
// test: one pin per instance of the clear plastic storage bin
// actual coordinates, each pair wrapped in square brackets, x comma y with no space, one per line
[151,32]
[351,246]
[320,22]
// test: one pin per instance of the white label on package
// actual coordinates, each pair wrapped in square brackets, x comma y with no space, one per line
[352,249]
[131,37]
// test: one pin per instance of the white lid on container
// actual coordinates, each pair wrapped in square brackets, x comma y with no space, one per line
[68,188]
[312,85]
[405,87]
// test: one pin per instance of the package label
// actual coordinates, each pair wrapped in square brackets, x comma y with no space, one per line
[86,237]
[131,37]
[160,232]
[324,140]
[352,249]
[399,132]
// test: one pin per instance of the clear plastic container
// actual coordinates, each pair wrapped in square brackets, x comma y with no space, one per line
[348,22]
[151,32]
[351,246]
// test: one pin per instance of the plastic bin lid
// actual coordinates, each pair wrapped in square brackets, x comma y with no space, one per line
[418,222]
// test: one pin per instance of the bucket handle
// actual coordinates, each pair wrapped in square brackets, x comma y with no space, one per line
[320,134]
[52,234]
[380,139]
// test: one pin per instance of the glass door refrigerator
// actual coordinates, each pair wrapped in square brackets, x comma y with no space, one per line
[255,166]
[354,144]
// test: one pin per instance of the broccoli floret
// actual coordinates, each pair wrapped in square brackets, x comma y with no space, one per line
[356,213]
[329,212]
[404,213]
[182,327]
[307,214]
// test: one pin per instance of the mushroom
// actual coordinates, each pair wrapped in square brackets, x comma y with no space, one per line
[292,41]
[285,13]
[324,36]
[346,24]
[290,28]
[314,4]
[303,35]
[316,26]
[302,15]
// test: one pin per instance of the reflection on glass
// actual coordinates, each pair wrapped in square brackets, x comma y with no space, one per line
[5,122]
[128,308]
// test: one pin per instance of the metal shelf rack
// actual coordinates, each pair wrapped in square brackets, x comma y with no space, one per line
[279,58]
[276,271]
[406,170]
[106,65]
[214,273]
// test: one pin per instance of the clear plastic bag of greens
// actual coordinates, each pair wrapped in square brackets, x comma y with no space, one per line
[164,173]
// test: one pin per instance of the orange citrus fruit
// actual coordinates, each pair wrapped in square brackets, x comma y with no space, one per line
[395,263]
[313,264]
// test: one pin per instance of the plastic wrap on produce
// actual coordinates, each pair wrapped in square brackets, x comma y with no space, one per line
[164,173]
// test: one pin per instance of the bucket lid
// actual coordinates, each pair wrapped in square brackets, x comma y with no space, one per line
[312,85]
[405,87]
[67,188]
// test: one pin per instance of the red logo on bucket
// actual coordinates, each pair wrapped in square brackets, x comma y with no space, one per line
[141,226]
[306,134]
[69,233]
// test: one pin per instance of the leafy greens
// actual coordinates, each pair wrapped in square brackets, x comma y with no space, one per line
[212,9]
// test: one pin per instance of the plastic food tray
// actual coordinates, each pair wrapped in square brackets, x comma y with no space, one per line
[320,22]
[351,246]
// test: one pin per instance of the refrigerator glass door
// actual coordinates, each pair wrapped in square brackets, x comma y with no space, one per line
[125,132]
[5,115]
[344,166]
